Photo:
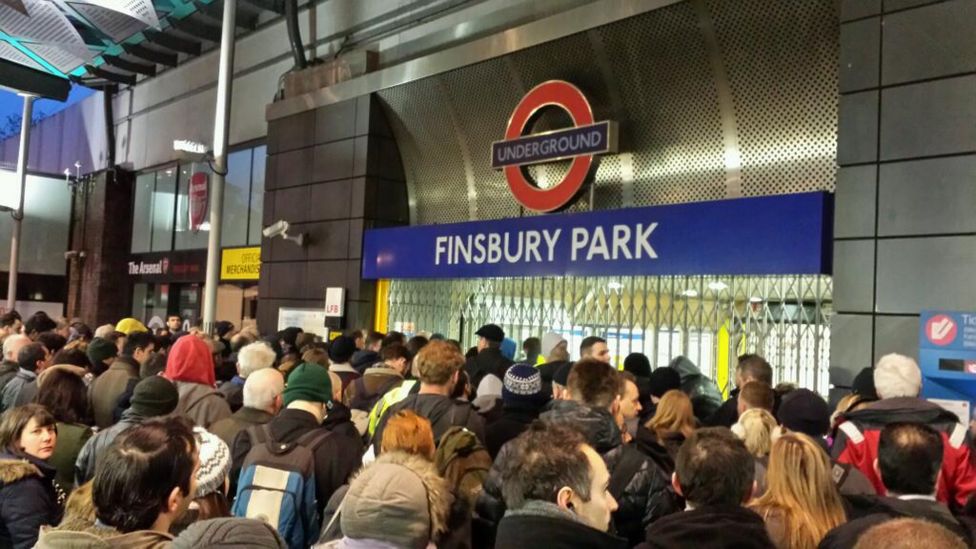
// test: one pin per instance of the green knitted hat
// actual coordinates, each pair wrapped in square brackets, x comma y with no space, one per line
[100,349]
[309,382]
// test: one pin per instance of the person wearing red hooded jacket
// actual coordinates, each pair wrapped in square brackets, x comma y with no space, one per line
[898,381]
[190,367]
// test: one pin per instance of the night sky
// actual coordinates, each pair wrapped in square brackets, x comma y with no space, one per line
[11,103]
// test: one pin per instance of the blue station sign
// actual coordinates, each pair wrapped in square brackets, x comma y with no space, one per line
[785,234]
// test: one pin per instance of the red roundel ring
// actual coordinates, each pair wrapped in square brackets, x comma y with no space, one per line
[568,97]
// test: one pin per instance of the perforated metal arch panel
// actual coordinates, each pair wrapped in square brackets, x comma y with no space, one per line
[656,74]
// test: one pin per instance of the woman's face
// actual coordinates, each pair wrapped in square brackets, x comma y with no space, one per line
[38,441]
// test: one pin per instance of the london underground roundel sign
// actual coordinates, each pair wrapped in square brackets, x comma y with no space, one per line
[581,143]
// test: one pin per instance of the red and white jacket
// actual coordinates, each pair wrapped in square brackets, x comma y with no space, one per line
[856,443]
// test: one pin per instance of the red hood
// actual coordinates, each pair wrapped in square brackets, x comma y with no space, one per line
[190,360]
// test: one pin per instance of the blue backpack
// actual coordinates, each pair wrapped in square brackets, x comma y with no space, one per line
[277,485]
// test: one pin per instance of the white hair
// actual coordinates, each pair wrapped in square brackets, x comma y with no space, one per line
[897,376]
[261,388]
[13,344]
[253,357]
[104,330]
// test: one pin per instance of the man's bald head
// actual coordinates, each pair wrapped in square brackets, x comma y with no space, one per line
[12,346]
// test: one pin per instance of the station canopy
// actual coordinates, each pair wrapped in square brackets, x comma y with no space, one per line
[47,44]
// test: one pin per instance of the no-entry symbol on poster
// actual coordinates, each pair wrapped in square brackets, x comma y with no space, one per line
[941,330]
[582,143]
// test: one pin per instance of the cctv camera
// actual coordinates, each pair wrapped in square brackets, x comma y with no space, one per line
[278,228]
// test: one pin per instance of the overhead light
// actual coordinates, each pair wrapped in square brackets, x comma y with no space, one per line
[717,286]
[689,293]
[193,147]
[615,285]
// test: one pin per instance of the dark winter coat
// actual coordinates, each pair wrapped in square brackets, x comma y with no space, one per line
[8,370]
[710,527]
[16,385]
[515,418]
[335,460]
[29,499]
[71,439]
[233,392]
[867,511]
[442,412]
[363,393]
[363,360]
[535,526]
[663,452]
[227,428]
[105,391]
[94,446]
[339,420]
[489,361]
[727,414]
[705,397]
[646,498]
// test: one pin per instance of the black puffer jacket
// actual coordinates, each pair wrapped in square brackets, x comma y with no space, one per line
[29,499]
[703,392]
[646,498]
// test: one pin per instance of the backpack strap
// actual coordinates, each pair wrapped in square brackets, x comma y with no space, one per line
[314,438]
[840,472]
[630,463]
[465,414]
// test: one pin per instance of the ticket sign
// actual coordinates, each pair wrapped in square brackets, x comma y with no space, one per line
[947,357]
[240,263]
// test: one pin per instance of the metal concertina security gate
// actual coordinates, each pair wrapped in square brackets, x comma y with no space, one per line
[709,319]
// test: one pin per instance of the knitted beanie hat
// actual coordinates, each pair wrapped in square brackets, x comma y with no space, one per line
[522,383]
[806,412]
[100,349]
[309,382]
[664,379]
[214,462]
[341,349]
[154,396]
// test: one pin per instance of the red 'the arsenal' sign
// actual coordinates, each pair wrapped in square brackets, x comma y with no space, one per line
[582,143]
[198,191]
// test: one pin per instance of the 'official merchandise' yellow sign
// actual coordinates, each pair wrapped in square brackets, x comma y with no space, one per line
[240,263]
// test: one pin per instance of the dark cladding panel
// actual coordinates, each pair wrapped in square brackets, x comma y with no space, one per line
[333,161]
[931,41]
[858,132]
[292,132]
[327,239]
[335,122]
[330,200]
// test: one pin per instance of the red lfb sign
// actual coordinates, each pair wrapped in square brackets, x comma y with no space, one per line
[199,186]
[581,143]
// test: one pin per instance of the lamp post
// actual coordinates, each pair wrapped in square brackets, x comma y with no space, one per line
[18,215]
[225,81]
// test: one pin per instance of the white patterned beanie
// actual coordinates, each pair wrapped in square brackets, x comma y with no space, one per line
[214,462]
[522,384]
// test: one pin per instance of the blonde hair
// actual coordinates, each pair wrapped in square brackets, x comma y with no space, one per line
[755,428]
[800,488]
[674,414]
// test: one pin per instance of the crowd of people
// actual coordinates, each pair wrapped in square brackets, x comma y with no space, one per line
[128,437]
